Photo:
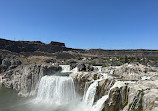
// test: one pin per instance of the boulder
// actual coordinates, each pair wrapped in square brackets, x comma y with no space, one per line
[9,63]
[85,67]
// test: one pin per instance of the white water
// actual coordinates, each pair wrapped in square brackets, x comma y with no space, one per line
[59,92]
[56,89]
[99,105]
[74,70]
[65,68]
[90,94]
[118,84]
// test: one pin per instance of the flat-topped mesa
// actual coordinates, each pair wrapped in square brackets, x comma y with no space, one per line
[31,46]
[54,43]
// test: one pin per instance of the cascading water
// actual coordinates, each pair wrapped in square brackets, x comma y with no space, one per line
[98,106]
[74,69]
[59,91]
[90,94]
[56,89]
[65,68]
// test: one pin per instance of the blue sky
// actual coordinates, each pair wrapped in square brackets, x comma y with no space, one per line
[107,24]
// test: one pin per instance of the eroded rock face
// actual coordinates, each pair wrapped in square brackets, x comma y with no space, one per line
[9,63]
[132,71]
[150,94]
[80,79]
[84,67]
[31,46]
[118,97]
[25,79]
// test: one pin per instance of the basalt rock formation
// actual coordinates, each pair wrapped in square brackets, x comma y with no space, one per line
[118,97]
[37,46]
[25,79]
[134,71]
[31,46]
[148,99]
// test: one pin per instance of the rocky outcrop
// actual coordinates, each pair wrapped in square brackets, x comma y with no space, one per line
[118,99]
[133,71]
[122,53]
[117,96]
[81,78]
[38,46]
[149,99]
[31,46]
[85,67]
[8,63]
[25,78]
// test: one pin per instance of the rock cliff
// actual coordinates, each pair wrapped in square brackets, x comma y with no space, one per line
[149,99]
[25,78]
[37,46]
[31,46]
[117,96]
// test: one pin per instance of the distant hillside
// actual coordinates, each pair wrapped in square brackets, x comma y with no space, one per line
[31,46]
[52,47]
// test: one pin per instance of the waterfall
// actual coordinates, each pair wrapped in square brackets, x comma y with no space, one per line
[90,94]
[58,92]
[56,89]
[99,105]
[109,86]
[111,71]
[65,68]
[74,69]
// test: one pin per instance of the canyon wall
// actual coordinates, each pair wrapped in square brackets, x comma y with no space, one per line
[37,46]
[25,78]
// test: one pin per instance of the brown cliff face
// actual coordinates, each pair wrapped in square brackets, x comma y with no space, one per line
[37,46]
[31,46]
[127,52]
[25,78]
